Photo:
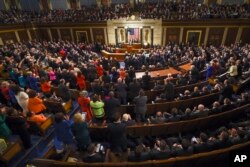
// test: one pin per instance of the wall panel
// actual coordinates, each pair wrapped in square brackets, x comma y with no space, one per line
[65,34]
[84,30]
[98,35]
[245,36]
[8,37]
[54,34]
[23,35]
[231,35]
[172,35]
[215,36]
[185,33]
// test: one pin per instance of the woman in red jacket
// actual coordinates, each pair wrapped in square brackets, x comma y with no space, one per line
[83,101]
[80,79]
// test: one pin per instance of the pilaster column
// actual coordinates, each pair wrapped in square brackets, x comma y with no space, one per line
[59,34]
[28,32]
[206,35]
[72,35]
[239,34]
[50,35]
[17,36]
[181,35]
[224,36]
[91,35]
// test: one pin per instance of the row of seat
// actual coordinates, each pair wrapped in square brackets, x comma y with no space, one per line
[176,127]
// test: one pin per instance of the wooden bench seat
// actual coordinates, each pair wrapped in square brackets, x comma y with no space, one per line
[206,158]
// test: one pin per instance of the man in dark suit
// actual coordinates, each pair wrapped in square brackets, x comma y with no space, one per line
[159,118]
[194,73]
[110,106]
[226,92]
[160,151]
[117,135]
[216,108]
[146,81]
[93,156]
[121,90]
[133,89]
[169,89]
[140,154]
[140,106]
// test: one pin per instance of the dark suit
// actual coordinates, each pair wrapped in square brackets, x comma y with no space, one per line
[134,89]
[122,92]
[226,92]
[157,155]
[169,91]
[117,137]
[140,107]
[146,82]
[97,157]
[110,107]
[144,156]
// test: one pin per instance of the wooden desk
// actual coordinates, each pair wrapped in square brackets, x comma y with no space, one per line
[118,56]
[133,45]
[185,67]
[161,73]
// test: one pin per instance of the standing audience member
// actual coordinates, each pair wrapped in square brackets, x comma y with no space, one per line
[18,126]
[62,129]
[97,109]
[146,81]
[80,130]
[121,91]
[117,135]
[111,106]
[140,106]
[84,102]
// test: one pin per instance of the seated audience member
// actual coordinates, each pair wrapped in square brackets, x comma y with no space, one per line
[200,144]
[140,106]
[93,156]
[5,132]
[46,87]
[226,91]
[126,119]
[111,106]
[97,107]
[159,118]
[174,115]
[35,104]
[204,91]
[187,148]
[116,133]
[141,153]
[234,137]
[218,86]
[84,102]
[160,98]
[80,131]
[62,126]
[215,108]
[223,140]
[196,92]
[187,114]
[200,112]
[227,105]
[36,118]
[158,86]
[243,100]
[18,126]
[185,96]
[160,151]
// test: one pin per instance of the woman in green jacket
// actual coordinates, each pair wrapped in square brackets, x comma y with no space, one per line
[97,107]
